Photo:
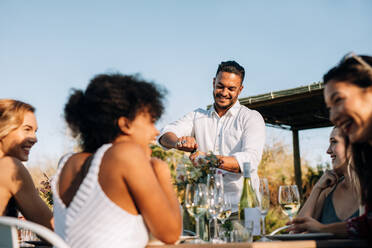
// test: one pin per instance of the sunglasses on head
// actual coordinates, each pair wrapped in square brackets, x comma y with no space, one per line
[359,59]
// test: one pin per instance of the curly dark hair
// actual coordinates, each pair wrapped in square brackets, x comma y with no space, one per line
[92,115]
[232,67]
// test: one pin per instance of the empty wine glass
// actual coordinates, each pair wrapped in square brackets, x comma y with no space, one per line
[264,204]
[196,202]
[216,200]
[289,200]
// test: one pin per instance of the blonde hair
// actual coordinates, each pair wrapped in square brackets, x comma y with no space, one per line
[11,115]
[355,184]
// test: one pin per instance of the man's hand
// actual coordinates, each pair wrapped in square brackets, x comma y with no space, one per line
[228,163]
[194,157]
[186,143]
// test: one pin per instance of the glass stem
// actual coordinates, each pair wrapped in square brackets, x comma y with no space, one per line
[197,227]
[263,225]
[215,235]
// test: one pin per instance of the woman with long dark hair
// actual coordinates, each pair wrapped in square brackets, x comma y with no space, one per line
[334,197]
[348,94]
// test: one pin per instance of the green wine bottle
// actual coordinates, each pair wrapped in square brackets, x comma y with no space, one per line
[248,205]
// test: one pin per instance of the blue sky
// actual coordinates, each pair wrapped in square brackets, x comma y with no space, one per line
[49,47]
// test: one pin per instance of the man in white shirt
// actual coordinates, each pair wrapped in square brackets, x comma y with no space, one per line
[233,132]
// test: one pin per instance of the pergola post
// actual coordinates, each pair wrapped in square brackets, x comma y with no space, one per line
[297,160]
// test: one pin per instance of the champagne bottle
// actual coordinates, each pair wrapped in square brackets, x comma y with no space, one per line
[248,205]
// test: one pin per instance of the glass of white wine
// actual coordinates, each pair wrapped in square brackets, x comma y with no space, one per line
[225,214]
[289,200]
[216,200]
[196,202]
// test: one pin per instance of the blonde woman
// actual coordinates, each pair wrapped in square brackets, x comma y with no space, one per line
[18,128]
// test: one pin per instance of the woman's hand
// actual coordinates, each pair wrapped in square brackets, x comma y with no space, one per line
[305,224]
[328,179]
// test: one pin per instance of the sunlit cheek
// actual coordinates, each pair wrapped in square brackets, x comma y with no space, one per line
[334,114]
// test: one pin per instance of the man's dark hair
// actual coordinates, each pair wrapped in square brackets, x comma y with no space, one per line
[232,67]
[93,115]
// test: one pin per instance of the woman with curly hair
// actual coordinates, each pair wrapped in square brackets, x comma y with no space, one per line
[18,128]
[113,192]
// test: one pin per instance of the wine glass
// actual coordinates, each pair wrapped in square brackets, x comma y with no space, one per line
[226,208]
[216,200]
[289,200]
[196,202]
[264,204]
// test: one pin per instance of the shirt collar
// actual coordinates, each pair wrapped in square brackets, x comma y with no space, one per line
[232,111]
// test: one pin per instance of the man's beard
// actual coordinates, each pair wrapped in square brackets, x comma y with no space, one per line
[224,106]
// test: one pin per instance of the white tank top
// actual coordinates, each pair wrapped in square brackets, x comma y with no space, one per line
[92,219]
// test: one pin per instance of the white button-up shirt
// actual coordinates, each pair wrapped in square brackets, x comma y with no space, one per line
[240,133]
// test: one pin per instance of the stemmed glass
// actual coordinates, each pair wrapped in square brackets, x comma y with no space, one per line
[226,208]
[216,201]
[224,234]
[264,204]
[289,200]
[196,202]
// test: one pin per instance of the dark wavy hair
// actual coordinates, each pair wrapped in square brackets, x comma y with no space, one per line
[232,67]
[353,71]
[92,115]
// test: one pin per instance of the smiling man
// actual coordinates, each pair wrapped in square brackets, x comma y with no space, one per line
[233,132]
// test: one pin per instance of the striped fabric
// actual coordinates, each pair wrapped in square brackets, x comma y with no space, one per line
[92,219]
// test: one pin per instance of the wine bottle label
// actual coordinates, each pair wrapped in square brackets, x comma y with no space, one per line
[252,215]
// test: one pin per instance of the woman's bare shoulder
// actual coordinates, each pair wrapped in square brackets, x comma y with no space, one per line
[125,150]
[126,155]
[13,173]
[10,165]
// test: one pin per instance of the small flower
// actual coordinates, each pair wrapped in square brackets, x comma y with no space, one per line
[46,191]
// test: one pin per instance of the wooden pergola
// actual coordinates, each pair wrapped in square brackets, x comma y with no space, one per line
[295,110]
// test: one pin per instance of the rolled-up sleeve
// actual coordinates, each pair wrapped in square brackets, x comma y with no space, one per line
[253,140]
[181,127]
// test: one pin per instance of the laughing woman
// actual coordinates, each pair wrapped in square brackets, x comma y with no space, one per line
[113,192]
[334,198]
[17,191]
[348,94]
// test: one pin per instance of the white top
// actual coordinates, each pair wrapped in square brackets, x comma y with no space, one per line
[240,133]
[92,219]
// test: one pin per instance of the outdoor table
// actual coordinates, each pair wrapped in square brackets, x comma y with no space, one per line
[341,243]
[331,243]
